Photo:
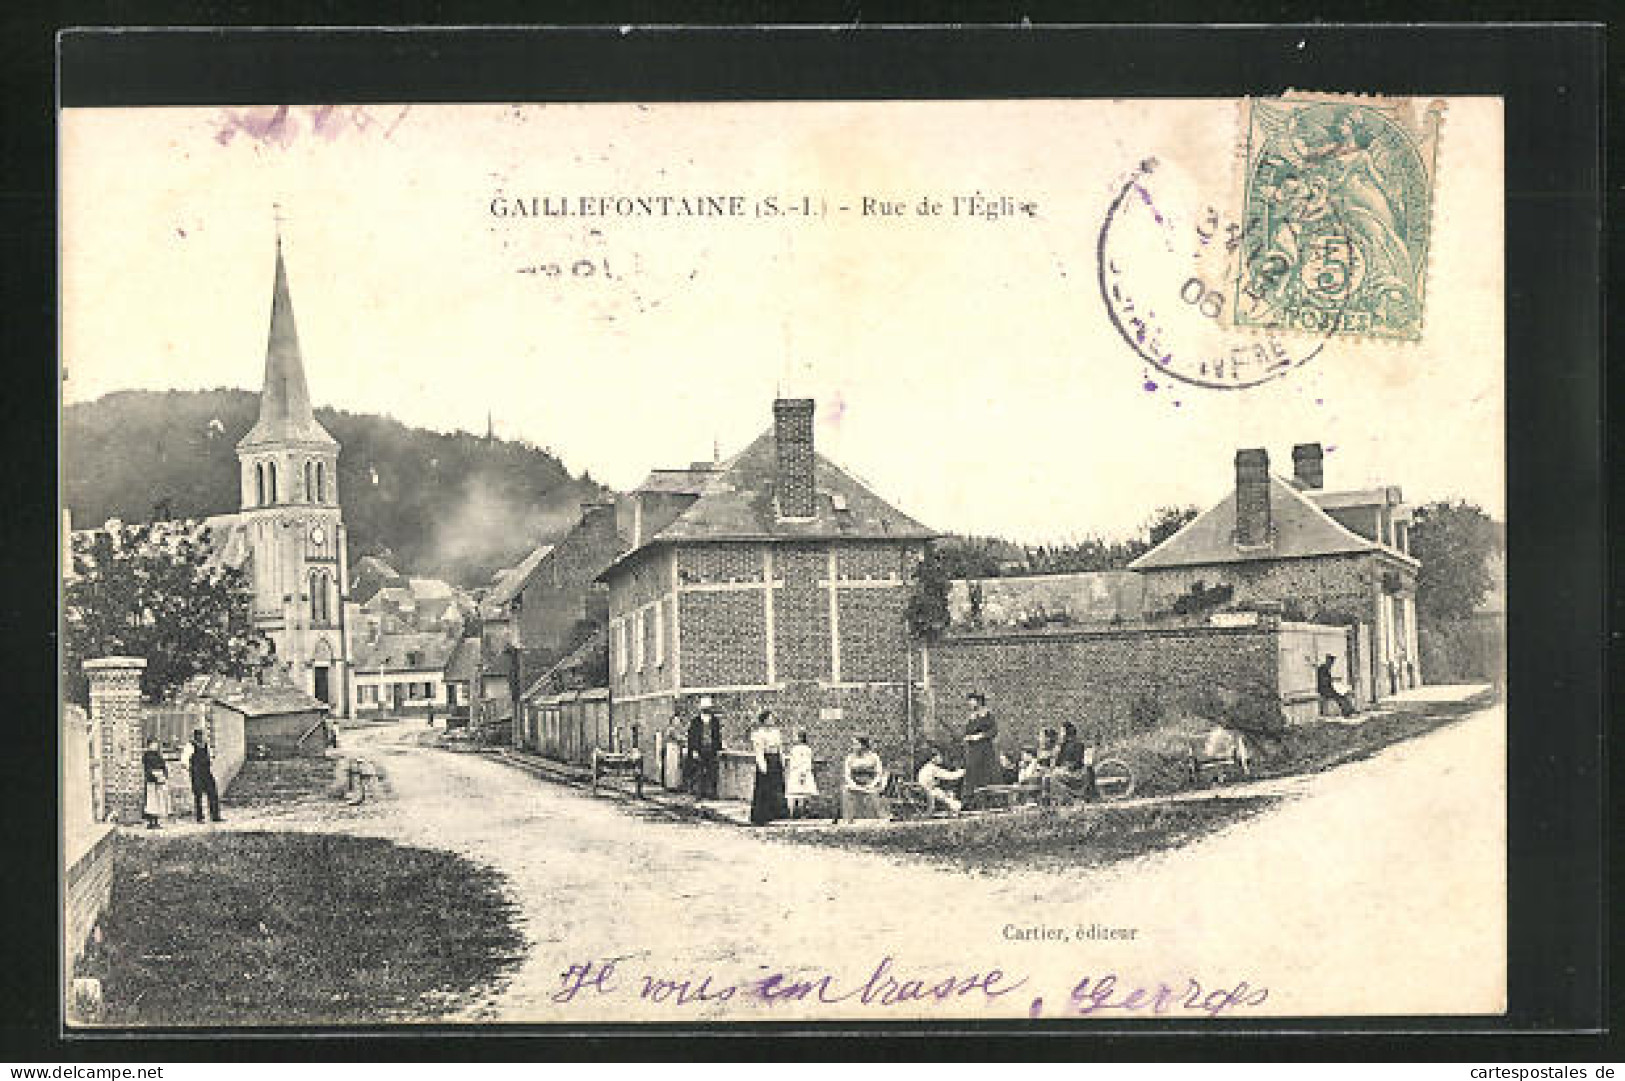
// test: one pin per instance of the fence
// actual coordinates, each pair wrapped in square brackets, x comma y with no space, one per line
[171,726]
[569,726]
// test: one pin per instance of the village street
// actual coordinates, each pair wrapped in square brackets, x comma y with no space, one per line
[1331,900]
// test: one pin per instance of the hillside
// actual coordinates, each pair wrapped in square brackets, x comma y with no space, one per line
[453,506]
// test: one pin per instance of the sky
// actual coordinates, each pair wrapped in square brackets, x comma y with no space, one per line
[964,366]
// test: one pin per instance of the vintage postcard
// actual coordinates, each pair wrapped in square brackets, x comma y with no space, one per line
[783,562]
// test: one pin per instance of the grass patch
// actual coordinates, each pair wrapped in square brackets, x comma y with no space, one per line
[1160,757]
[1071,839]
[285,928]
[273,782]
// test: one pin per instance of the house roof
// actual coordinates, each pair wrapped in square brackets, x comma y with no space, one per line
[228,540]
[285,414]
[390,652]
[465,657]
[1301,529]
[268,701]
[573,659]
[429,588]
[736,502]
[691,481]
[514,578]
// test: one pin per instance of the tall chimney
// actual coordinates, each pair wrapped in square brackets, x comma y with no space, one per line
[1252,498]
[793,445]
[1308,465]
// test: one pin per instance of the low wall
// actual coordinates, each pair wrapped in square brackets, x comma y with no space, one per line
[87,887]
[1109,682]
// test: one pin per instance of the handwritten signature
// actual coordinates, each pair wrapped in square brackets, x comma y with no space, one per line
[887,986]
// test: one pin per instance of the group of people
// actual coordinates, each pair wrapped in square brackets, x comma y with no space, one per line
[156,805]
[784,782]
[785,786]
[1060,758]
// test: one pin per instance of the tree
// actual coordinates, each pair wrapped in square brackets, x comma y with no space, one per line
[151,591]
[927,610]
[1454,541]
[1165,522]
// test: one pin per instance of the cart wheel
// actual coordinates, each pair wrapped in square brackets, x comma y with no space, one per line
[912,801]
[1113,779]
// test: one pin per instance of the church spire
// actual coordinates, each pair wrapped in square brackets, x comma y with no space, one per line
[285,413]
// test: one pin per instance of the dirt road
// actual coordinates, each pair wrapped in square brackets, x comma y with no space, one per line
[1380,889]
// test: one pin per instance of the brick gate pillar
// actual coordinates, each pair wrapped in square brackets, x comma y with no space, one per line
[115,706]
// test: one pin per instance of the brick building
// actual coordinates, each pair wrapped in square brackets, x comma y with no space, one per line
[1327,557]
[773,580]
[547,608]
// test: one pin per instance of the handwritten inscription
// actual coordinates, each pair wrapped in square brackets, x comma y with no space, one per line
[888,986]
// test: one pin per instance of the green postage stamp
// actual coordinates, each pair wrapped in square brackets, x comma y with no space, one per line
[1337,215]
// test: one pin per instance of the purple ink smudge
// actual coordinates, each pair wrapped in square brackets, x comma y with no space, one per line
[1149,386]
[280,127]
[1145,197]
[837,409]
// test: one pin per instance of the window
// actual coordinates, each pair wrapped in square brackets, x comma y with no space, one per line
[660,633]
[620,644]
[321,611]
[637,640]
[321,482]
[310,481]
[270,477]
[259,484]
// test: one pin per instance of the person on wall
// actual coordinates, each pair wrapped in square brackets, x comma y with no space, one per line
[203,778]
[981,755]
[767,800]
[1326,686]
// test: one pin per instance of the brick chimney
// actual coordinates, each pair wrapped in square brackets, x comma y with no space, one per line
[1308,465]
[1253,527]
[794,483]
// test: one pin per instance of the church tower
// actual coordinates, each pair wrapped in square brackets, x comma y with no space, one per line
[290,510]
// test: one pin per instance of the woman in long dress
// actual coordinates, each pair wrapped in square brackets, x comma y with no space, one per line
[800,785]
[767,796]
[981,756]
[864,777]
[155,772]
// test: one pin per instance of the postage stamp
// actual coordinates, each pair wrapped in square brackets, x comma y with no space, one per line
[1336,211]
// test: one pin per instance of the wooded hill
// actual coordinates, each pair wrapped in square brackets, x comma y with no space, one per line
[454,506]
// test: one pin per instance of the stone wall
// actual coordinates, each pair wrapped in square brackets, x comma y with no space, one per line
[87,888]
[1110,683]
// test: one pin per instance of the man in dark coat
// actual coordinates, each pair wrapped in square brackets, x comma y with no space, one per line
[203,778]
[694,756]
[711,749]
[1327,688]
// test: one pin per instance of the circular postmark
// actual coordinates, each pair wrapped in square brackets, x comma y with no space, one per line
[1168,258]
